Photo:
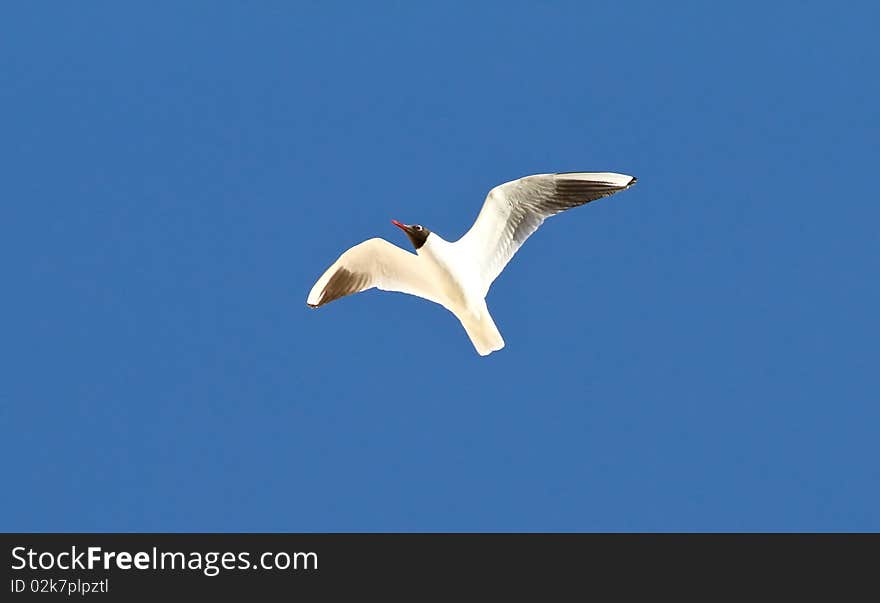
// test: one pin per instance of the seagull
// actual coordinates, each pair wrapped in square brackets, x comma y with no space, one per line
[457,275]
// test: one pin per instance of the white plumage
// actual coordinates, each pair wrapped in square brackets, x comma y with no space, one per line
[457,275]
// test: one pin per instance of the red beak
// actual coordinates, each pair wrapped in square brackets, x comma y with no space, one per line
[402,227]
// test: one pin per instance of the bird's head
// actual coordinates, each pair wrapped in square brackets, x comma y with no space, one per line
[417,233]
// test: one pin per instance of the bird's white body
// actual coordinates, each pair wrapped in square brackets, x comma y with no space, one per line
[457,275]
[459,287]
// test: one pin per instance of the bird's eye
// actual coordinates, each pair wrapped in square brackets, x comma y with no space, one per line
[417,228]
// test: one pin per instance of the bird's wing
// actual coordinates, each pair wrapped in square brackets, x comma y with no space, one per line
[373,263]
[514,210]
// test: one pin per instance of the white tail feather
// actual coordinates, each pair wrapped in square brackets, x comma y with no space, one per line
[482,331]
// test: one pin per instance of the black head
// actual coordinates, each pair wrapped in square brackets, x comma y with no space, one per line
[417,233]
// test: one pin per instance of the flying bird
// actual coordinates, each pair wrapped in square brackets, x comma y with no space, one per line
[457,275]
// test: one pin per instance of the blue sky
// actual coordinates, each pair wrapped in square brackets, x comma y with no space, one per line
[697,353]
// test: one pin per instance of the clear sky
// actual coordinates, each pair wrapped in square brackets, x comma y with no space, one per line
[699,352]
